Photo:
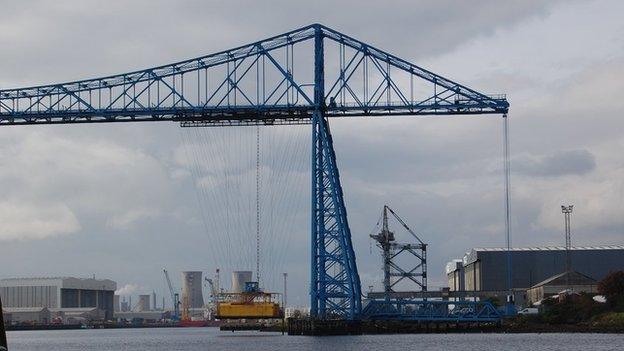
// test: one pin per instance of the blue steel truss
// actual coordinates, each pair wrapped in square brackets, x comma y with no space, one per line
[436,311]
[304,76]
[263,81]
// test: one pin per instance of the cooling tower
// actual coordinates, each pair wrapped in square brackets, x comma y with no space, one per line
[144,303]
[192,289]
[239,278]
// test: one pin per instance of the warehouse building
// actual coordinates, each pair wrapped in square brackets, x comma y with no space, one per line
[59,293]
[567,281]
[485,269]
[455,274]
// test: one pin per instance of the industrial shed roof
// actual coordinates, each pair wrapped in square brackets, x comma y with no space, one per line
[575,278]
[472,255]
[551,248]
[62,282]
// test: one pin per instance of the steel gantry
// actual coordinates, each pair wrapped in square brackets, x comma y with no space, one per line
[304,76]
[394,272]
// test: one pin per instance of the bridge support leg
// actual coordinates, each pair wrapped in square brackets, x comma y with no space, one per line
[335,291]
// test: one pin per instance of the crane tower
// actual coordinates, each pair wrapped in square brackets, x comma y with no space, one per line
[394,271]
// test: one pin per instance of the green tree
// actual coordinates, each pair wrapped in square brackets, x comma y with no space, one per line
[612,288]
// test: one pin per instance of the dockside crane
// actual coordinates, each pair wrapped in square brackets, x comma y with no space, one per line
[391,250]
[175,297]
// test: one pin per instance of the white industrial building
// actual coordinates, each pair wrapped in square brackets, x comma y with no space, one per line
[59,294]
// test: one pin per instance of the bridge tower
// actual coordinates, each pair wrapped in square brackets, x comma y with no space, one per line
[335,284]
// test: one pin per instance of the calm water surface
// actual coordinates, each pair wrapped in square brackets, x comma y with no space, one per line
[212,339]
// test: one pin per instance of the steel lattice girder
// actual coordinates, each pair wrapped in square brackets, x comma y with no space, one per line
[423,310]
[270,79]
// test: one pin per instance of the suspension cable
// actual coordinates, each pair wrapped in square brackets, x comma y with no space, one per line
[507,202]
[258,204]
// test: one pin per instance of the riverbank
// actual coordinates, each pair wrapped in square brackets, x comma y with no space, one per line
[610,322]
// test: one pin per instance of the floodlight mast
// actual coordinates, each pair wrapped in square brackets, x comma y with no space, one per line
[567,213]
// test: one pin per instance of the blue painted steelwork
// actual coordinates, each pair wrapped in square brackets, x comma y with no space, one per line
[335,284]
[436,311]
[262,81]
[272,82]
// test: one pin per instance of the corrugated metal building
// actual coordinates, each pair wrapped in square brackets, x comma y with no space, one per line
[571,281]
[61,292]
[485,269]
[455,275]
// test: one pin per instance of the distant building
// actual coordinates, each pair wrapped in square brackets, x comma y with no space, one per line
[146,316]
[486,269]
[572,281]
[59,293]
[31,315]
[455,275]
[77,315]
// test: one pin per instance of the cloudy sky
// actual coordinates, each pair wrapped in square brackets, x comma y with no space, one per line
[120,201]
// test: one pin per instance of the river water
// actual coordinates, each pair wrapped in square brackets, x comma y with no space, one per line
[169,339]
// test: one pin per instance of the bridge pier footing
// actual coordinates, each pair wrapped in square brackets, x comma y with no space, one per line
[342,327]
[317,327]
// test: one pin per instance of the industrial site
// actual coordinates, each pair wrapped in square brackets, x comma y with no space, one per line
[477,293]
[316,179]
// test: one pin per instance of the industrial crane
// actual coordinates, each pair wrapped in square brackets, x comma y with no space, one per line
[175,298]
[214,295]
[392,250]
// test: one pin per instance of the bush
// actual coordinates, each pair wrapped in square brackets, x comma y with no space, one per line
[571,311]
[610,320]
[612,288]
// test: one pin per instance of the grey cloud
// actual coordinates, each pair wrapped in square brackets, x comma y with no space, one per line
[572,162]
[120,36]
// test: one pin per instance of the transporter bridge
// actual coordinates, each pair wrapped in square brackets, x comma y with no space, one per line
[306,76]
